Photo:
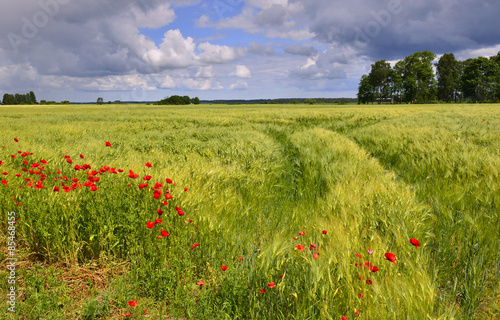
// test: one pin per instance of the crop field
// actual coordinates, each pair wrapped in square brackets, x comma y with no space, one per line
[250,212]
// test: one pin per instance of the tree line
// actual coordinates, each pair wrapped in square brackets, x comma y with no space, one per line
[12,99]
[413,80]
[178,100]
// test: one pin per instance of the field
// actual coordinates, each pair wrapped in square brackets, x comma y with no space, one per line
[251,212]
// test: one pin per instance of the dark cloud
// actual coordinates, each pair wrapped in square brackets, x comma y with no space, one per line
[300,50]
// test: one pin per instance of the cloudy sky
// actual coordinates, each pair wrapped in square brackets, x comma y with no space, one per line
[79,50]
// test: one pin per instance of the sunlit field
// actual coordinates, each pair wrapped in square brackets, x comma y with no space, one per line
[251,212]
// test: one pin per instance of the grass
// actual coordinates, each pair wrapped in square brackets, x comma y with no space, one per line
[372,177]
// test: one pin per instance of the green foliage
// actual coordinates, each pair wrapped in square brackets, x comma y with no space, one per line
[175,100]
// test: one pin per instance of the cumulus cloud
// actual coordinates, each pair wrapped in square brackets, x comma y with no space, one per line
[175,52]
[240,85]
[242,72]
[300,50]
[212,53]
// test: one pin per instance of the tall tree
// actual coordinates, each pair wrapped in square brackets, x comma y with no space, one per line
[365,90]
[379,79]
[418,77]
[480,79]
[447,70]
[100,100]
[32,97]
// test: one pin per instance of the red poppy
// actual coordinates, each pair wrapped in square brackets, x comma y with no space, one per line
[415,242]
[324,231]
[132,303]
[344,318]
[367,264]
[241,258]
[158,221]
[262,290]
[271,285]
[224,268]
[157,194]
[373,268]
[56,189]
[301,233]
[147,178]
[68,160]
[17,174]
[159,237]
[150,225]
[359,277]
[370,251]
[164,233]
[93,188]
[148,164]
[190,221]
[108,144]
[200,283]
[160,212]
[356,312]
[295,238]
[194,245]
[168,196]
[369,282]
[16,140]
[81,156]
[168,180]
[391,257]
[361,294]
[358,255]
[315,255]
[128,314]
[186,189]
[4,181]
[300,247]
[5,173]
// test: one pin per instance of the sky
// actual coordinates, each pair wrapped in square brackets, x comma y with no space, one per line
[79,50]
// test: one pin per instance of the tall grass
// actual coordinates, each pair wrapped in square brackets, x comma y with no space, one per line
[371,177]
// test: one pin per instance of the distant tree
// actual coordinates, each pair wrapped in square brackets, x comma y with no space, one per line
[187,100]
[365,90]
[195,100]
[418,77]
[32,97]
[100,100]
[447,70]
[65,102]
[379,79]
[396,81]
[174,100]
[9,99]
[480,79]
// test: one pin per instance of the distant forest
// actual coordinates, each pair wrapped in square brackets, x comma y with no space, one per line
[413,80]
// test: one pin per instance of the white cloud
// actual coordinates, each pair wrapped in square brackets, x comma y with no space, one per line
[241,71]
[175,52]
[212,53]
[240,85]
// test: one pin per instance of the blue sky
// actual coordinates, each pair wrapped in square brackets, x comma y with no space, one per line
[225,49]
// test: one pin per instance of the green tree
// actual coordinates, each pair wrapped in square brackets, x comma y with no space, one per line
[365,90]
[195,100]
[32,97]
[379,79]
[187,100]
[418,77]
[480,79]
[447,70]
[9,99]
[100,100]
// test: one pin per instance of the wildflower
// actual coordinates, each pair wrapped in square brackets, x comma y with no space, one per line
[315,255]
[200,283]
[324,231]
[224,268]
[168,196]
[127,314]
[271,285]
[301,233]
[150,225]
[81,156]
[16,140]
[93,188]
[359,277]
[391,257]
[262,290]
[358,255]
[164,233]
[373,268]
[369,282]
[370,251]
[160,211]
[186,189]
[132,303]
[168,180]
[4,181]
[361,294]
[344,318]
[108,144]
[300,247]
[356,312]
[415,242]
[241,258]
[194,245]
[147,178]
[158,221]
[148,164]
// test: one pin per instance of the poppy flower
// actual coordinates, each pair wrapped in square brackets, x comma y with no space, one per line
[186,189]
[132,303]
[17,174]
[373,268]
[370,251]
[93,188]
[241,258]
[16,140]
[300,247]
[168,180]
[108,144]
[361,294]
[158,221]
[325,232]
[344,318]
[168,196]
[68,160]
[301,233]
[194,245]
[56,189]
[128,314]
[391,257]
[148,164]
[200,283]
[224,268]
[271,285]
[369,282]
[147,178]
[81,156]
[190,221]
[5,173]
[315,256]
[415,242]
[150,225]
[359,277]
[4,181]
[356,312]
[262,290]
[358,255]
[367,264]
[160,212]
[164,233]
[295,238]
